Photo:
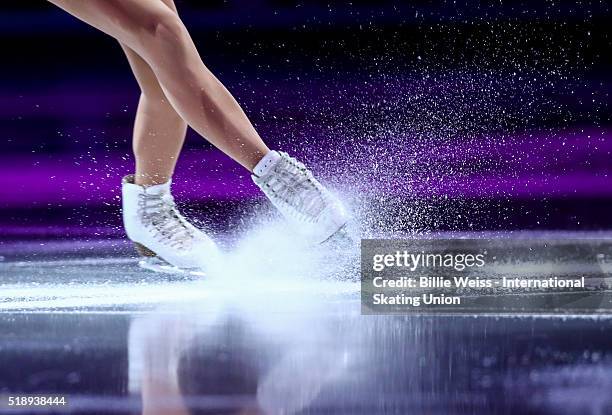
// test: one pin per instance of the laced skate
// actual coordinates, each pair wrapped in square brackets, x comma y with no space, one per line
[302,199]
[161,235]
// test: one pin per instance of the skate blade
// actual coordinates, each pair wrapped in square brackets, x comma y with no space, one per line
[340,237]
[160,266]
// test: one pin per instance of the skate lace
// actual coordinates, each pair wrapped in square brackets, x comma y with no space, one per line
[160,213]
[294,185]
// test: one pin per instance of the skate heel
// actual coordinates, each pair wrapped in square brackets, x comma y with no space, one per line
[144,251]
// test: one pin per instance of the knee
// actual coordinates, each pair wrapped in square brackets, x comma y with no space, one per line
[163,29]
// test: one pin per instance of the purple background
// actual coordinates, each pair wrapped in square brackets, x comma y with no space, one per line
[495,115]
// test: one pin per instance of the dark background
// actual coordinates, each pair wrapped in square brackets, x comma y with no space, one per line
[427,115]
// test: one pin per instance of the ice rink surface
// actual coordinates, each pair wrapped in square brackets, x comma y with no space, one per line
[280,333]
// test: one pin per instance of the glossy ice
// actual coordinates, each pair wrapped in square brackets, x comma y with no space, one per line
[279,336]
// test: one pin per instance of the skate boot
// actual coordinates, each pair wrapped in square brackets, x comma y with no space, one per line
[306,203]
[161,235]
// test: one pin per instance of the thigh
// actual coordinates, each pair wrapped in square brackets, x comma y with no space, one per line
[170,3]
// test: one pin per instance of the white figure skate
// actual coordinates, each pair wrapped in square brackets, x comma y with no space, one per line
[313,210]
[161,235]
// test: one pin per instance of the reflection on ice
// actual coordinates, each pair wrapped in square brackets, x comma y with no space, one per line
[279,336]
[332,360]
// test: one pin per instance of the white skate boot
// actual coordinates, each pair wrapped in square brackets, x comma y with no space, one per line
[306,203]
[166,240]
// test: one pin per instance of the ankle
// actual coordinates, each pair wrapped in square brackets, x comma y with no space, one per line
[266,163]
[147,180]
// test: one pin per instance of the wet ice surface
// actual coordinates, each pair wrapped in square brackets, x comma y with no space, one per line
[281,335]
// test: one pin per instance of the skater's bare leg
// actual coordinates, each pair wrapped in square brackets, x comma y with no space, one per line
[155,32]
[159,132]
